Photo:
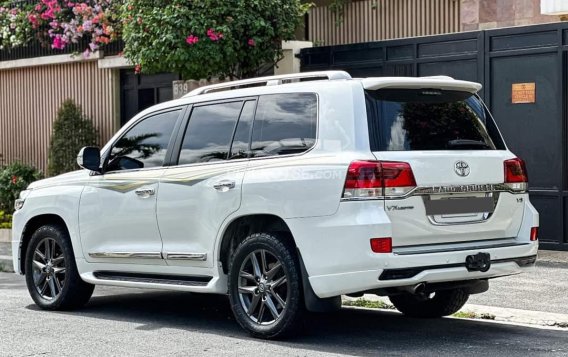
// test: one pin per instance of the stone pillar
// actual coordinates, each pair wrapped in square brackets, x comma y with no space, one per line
[290,63]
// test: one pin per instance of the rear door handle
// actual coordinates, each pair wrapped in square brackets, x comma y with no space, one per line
[145,192]
[224,185]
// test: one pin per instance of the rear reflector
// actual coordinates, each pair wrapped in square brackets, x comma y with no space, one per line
[534,234]
[377,179]
[516,176]
[381,245]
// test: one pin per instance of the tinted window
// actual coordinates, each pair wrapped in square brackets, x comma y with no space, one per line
[145,145]
[240,146]
[284,124]
[209,133]
[408,119]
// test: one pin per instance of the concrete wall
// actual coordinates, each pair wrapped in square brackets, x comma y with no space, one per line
[487,14]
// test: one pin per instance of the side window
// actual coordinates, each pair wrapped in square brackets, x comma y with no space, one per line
[240,146]
[209,133]
[144,145]
[284,124]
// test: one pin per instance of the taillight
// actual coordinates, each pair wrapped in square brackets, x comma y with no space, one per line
[516,177]
[534,234]
[378,179]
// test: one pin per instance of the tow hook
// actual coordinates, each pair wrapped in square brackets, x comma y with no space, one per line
[478,262]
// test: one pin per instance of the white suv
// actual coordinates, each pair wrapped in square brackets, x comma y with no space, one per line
[286,192]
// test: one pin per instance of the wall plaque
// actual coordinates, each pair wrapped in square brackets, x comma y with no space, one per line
[523,93]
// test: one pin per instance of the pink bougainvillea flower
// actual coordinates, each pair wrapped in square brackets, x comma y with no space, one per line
[251,42]
[58,43]
[86,53]
[14,179]
[212,35]
[192,40]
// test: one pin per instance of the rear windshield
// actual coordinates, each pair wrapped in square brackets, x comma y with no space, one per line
[429,119]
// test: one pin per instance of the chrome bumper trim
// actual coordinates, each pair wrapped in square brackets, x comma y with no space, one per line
[187,256]
[451,247]
[131,255]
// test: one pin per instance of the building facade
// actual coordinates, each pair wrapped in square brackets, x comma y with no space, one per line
[34,80]
[376,20]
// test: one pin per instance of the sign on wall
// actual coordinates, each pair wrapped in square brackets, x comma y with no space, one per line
[181,88]
[523,93]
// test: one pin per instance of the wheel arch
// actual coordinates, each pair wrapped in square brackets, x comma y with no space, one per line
[241,227]
[30,227]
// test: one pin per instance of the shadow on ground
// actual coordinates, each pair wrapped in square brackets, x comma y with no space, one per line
[349,331]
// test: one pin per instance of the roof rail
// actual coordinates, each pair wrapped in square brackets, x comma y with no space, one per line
[270,81]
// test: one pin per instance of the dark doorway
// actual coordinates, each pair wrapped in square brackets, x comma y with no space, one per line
[140,91]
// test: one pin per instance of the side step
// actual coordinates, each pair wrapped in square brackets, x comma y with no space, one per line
[153,278]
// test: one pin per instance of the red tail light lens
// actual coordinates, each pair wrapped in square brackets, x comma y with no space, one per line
[398,178]
[381,245]
[516,176]
[534,234]
[515,171]
[377,179]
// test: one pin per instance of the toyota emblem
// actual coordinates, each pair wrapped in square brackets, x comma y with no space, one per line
[461,168]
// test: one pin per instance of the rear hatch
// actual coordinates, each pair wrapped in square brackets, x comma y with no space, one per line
[457,158]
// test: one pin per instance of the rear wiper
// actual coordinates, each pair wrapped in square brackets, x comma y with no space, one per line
[467,144]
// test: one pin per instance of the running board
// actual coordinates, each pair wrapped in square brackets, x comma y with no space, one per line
[153,278]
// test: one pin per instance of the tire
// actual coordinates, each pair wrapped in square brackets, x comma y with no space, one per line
[51,272]
[266,301]
[441,303]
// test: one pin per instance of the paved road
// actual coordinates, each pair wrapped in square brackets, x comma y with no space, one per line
[543,289]
[139,322]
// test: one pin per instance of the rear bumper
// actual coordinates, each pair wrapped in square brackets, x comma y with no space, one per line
[338,258]
[436,268]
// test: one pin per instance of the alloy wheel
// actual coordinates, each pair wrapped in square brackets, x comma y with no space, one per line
[48,268]
[263,287]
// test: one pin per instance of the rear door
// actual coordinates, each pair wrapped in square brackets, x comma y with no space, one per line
[204,188]
[457,157]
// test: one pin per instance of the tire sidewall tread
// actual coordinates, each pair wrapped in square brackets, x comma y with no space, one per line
[290,322]
[75,292]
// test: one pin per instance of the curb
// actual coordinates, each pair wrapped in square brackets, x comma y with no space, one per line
[6,265]
[500,314]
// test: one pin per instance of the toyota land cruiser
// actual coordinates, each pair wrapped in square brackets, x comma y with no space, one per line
[286,192]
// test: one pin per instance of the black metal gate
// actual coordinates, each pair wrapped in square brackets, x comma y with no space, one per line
[499,59]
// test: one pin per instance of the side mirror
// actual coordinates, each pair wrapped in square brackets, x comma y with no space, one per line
[90,158]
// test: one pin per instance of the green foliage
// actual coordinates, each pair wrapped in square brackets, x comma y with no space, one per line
[15,178]
[338,7]
[15,29]
[473,315]
[5,220]
[205,39]
[72,130]
[369,304]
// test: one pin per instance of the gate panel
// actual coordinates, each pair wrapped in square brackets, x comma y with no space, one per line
[533,131]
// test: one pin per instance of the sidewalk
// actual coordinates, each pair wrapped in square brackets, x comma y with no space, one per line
[6,256]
